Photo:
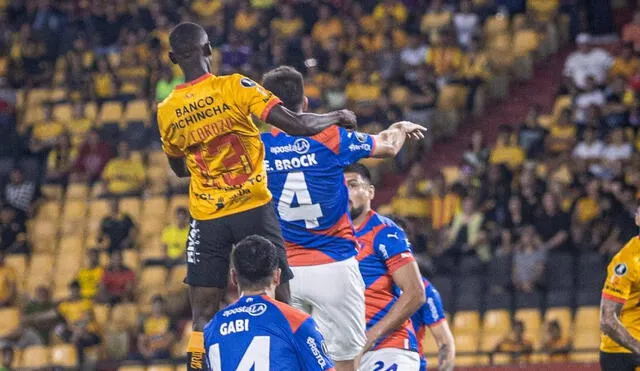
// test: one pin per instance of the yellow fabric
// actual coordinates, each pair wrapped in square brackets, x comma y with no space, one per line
[89,280]
[262,4]
[444,59]
[416,207]
[563,133]
[287,27]
[59,160]
[622,67]
[435,21]
[512,156]
[544,10]
[362,92]
[623,286]
[368,23]
[176,239]
[132,79]
[4,63]
[245,21]
[123,175]
[443,209]
[196,342]
[206,9]
[78,128]
[208,122]
[324,31]
[74,311]
[397,11]
[7,282]
[475,67]
[587,209]
[46,131]
[156,325]
[104,86]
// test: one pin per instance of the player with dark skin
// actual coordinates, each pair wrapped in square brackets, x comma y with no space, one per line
[191,51]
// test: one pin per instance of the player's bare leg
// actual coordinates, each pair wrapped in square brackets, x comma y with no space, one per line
[205,302]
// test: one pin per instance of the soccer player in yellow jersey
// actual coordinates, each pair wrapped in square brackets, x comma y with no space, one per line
[207,133]
[620,309]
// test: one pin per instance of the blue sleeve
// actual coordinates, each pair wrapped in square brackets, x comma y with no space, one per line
[391,241]
[432,310]
[354,146]
[312,350]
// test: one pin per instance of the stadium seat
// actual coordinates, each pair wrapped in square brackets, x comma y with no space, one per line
[64,355]
[62,112]
[157,159]
[466,322]
[75,213]
[525,42]
[176,278]
[532,323]
[40,271]
[585,357]
[37,356]
[101,313]
[49,210]
[152,277]
[19,264]
[496,321]
[37,96]
[587,318]
[91,110]
[77,191]
[470,360]
[98,209]
[181,367]
[562,315]
[488,341]
[124,316]
[51,192]
[44,235]
[131,206]
[466,343]
[10,320]
[158,178]
[131,259]
[161,368]
[110,112]
[429,345]
[176,201]
[137,110]
[586,338]
[151,247]
[132,368]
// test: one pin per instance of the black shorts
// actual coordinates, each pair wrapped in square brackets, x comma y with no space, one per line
[618,361]
[210,242]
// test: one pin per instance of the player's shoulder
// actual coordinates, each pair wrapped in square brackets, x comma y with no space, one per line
[629,254]
[295,318]
[386,224]
[235,80]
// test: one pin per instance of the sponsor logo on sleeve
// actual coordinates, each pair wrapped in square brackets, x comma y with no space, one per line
[361,137]
[620,269]
[247,82]
[317,351]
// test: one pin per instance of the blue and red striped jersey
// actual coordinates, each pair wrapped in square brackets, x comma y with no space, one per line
[305,176]
[430,314]
[384,248]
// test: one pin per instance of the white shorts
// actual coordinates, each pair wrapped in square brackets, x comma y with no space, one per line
[390,358]
[333,294]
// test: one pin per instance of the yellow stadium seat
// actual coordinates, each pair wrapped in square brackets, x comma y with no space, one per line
[154,208]
[176,201]
[181,367]
[151,247]
[158,178]
[131,259]
[451,173]
[98,209]
[470,360]
[34,114]
[37,356]
[77,191]
[525,42]
[91,110]
[131,206]
[101,313]
[466,322]
[110,112]
[586,339]
[157,159]
[466,343]
[496,24]
[452,97]
[74,211]
[161,368]
[40,271]
[124,316]
[587,318]
[531,318]
[179,272]
[489,341]
[64,355]
[132,368]
[502,359]
[151,228]
[37,96]
[137,110]
[10,320]
[496,321]
[44,235]
[152,277]
[49,210]
[562,315]
[18,263]
[51,192]
[429,345]
[68,263]
[58,94]
[585,357]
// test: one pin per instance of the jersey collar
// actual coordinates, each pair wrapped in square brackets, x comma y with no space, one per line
[370,214]
[193,82]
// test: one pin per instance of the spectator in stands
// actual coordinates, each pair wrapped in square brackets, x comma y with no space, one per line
[587,61]
[617,149]
[556,346]
[477,156]
[587,207]
[517,218]
[412,56]
[443,203]
[631,31]
[626,64]
[93,155]
[156,332]
[515,344]
[562,135]
[552,224]
[436,19]
[60,161]
[166,83]
[174,237]
[41,303]
[529,260]
[506,150]
[13,233]
[90,276]
[104,85]
[117,230]
[123,175]
[590,96]
[467,23]
[6,360]
[45,135]
[8,283]
[287,25]
[531,135]
[590,148]
[474,70]
[410,200]
[445,57]
[118,281]
[22,337]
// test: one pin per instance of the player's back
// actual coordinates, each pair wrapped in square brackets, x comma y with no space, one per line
[623,286]
[264,334]
[207,121]
[307,182]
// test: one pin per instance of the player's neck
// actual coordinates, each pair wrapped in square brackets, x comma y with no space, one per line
[194,72]
[362,218]
[263,291]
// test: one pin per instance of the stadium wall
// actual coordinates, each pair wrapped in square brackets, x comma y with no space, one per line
[537,367]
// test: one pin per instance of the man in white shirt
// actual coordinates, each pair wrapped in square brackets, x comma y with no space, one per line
[466,22]
[617,149]
[591,96]
[590,148]
[412,56]
[587,61]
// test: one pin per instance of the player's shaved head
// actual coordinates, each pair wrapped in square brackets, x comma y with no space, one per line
[288,85]
[189,47]
[254,260]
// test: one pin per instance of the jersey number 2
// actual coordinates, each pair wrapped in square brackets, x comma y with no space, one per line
[237,157]
[255,358]
[295,186]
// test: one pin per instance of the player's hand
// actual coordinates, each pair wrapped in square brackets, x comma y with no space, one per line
[347,119]
[413,131]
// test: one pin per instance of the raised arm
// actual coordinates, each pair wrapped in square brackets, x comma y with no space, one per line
[307,124]
[390,141]
[611,326]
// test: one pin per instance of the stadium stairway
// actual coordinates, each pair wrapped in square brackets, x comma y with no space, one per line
[511,111]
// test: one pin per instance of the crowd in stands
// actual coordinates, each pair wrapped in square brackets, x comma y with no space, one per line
[85,180]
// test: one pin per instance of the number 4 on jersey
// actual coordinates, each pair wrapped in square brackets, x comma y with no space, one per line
[255,358]
[295,187]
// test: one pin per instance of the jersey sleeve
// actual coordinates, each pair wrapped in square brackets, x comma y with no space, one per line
[392,244]
[252,98]
[312,349]
[432,311]
[165,138]
[354,146]
[621,276]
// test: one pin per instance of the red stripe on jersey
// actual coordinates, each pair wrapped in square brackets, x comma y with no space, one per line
[295,317]
[193,82]
[396,262]
[330,137]
[614,298]
[342,229]
[299,256]
[397,339]
[377,296]
[265,112]
[420,337]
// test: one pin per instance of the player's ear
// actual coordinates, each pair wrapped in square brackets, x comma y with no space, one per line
[172,58]
[372,191]
[276,277]
[234,277]
[206,49]
[305,103]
